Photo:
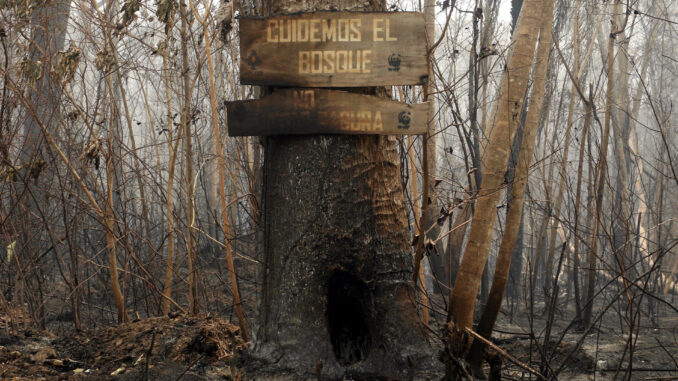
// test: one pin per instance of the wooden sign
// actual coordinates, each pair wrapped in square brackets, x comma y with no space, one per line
[318,111]
[334,49]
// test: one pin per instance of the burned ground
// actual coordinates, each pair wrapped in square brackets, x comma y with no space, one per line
[158,348]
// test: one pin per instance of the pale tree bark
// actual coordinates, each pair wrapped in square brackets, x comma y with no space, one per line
[417,228]
[474,78]
[641,251]
[188,158]
[476,130]
[513,287]
[659,213]
[44,93]
[427,223]
[416,210]
[514,216]
[487,48]
[118,95]
[643,231]
[113,157]
[108,212]
[47,38]
[109,221]
[622,223]
[516,260]
[562,177]
[577,203]
[504,124]
[478,73]
[169,204]
[220,169]
[541,251]
[601,171]
[585,141]
[455,241]
[539,229]
[135,153]
[431,208]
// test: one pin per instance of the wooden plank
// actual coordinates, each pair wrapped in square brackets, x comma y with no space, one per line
[319,111]
[334,49]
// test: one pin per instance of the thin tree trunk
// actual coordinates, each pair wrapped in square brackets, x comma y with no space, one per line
[633,147]
[503,128]
[112,198]
[513,158]
[47,38]
[42,108]
[515,212]
[428,219]
[432,229]
[109,221]
[659,211]
[172,148]
[222,186]
[577,203]
[188,158]
[622,214]
[555,211]
[601,173]
[416,211]
[135,154]
[456,238]
[541,252]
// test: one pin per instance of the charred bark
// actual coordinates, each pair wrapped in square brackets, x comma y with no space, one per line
[338,264]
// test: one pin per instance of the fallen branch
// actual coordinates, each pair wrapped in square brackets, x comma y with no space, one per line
[503,353]
[190,366]
[148,355]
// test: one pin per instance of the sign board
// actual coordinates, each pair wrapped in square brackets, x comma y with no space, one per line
[318,111]
[334,49]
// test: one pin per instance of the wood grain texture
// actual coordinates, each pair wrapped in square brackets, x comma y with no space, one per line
[334,49]
[319,111]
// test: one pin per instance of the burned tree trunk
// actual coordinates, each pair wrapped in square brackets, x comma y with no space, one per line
[337,299]
[337,260]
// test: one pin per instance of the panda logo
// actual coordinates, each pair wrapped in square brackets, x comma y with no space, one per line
[253,60]
[404,120]
[394,62]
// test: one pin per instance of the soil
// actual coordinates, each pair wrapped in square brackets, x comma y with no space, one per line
[203,347]
[160,348]
[602,354]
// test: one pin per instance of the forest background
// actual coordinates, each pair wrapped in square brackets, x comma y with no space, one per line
[123,197]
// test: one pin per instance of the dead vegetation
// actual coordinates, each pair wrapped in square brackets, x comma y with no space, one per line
[156,348]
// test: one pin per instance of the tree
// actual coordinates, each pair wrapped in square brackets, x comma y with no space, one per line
[186,118]
[337,296]
[601,169]
[501,132]
[514,216]
[439,265]
[47,38]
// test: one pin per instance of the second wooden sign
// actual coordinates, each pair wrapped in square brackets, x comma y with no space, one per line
[318,111]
